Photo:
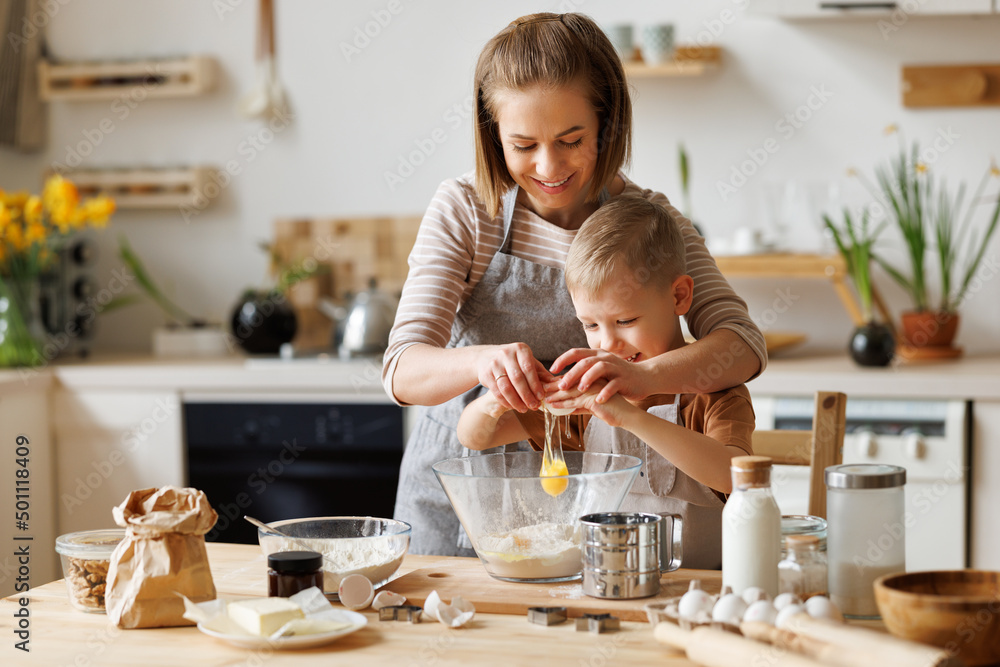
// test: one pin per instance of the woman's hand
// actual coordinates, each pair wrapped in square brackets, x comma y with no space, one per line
[590,366]
[514,376]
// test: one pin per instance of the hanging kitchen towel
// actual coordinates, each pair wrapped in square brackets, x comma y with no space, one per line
[22,112]
[163,554]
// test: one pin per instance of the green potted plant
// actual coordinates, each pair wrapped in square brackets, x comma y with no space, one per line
[933,221]
[872,343]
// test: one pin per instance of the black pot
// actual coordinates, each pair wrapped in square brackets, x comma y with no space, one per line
[872,345]
[263,321]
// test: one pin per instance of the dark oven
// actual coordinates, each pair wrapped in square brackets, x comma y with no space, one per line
[279,459]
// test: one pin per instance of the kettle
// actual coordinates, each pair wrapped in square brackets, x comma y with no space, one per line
[362,329]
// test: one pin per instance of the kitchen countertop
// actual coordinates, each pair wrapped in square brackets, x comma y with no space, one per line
[61,635]
[972,377]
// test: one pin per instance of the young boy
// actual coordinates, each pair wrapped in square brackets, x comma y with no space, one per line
[625,273]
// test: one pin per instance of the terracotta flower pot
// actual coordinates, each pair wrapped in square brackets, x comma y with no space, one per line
[929,328]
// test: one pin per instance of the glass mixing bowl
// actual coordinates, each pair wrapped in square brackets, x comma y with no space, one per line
[520,531]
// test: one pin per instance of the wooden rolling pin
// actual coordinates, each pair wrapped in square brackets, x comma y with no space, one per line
[718,648]
[853,646]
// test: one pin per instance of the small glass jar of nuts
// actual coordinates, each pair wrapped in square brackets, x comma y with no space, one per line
[86,557]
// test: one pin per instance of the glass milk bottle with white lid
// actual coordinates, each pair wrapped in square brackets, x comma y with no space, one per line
[866,533]
[751,528]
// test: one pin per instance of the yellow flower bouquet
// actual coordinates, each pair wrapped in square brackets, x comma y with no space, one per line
[32,228]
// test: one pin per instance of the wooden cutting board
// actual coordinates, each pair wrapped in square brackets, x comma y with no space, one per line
[466,577]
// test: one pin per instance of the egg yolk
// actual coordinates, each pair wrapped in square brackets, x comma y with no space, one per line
[554,487]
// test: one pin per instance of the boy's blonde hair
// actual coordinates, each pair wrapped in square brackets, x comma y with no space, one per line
[552,50]
[628,233]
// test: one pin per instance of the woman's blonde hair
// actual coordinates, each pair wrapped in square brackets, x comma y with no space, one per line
[550,49]
[629,233]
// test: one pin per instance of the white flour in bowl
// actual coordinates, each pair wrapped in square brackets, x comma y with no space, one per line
[541,551]
[377,559]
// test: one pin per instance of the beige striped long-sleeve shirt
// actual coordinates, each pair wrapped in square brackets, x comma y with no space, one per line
[457,240]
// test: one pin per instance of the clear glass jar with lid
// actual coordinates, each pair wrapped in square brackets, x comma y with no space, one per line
[803,569]
[803,524]
[866,532]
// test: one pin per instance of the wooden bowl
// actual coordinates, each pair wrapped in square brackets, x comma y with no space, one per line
[958,611]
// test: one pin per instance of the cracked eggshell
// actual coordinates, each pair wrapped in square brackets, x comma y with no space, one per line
[761,610]
[387,599]
[453,615]
[558,412]
[356,592]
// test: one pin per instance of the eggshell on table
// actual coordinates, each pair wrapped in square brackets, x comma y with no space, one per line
[387,599]
[356,592]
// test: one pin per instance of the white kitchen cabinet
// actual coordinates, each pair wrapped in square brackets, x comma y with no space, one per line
[806,9]
[110,442]
[26,444]
[985,548]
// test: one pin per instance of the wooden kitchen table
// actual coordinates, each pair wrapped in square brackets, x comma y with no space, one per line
[63,636]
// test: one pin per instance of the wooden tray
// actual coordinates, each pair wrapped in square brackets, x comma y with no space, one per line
[467,578]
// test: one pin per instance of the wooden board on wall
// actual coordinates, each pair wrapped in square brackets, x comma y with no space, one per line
[951,85]
[353,250]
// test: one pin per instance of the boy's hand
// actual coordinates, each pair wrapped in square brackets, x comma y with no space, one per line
[613,412]
[590,366]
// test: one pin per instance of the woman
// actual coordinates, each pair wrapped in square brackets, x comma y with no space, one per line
[485,308]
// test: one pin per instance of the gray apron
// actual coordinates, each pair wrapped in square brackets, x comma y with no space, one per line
[663,489]
[516,300]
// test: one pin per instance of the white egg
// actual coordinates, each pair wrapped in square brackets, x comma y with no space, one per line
[762,611]
[785,599]
[729,609]
[820,606]
[790,610]
[694,604]
[752,593]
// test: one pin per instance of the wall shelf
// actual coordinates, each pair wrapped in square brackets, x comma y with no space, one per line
[146,187]
[687,61]
[138,79]
[786,265]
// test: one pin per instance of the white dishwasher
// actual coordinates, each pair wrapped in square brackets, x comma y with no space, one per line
[930,438]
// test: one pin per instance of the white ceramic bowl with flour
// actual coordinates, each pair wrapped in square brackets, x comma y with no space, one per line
[349,545]
[519,530]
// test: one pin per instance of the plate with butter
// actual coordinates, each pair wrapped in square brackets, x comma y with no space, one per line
[304,620]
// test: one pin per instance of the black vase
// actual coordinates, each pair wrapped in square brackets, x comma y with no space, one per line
[872,344]
[263,321]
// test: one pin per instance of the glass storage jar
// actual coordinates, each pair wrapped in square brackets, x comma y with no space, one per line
[803,524]
[86,557]
[803,569]
[866,533]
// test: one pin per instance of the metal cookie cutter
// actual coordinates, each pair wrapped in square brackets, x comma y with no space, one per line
[402,612]
[546,615]
[597,623]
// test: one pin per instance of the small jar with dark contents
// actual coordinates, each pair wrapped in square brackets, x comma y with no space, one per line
[289,572]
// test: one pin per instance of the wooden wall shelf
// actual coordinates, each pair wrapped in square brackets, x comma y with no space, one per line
[687,61]
[138,79]
[146,188]
[951,85]
[781,265]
